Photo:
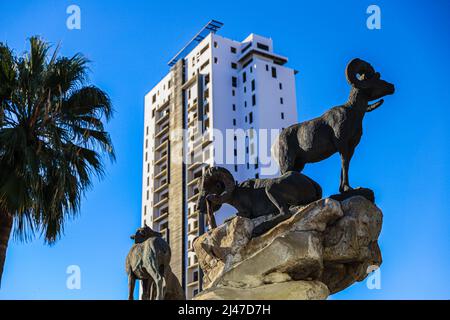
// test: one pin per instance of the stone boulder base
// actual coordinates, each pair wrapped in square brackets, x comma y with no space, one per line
[322,249]
[292,290]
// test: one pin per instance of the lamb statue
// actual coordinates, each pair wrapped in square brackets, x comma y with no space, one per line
[149,261]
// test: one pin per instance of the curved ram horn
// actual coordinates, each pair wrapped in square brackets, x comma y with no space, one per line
[358,66]
[219,174]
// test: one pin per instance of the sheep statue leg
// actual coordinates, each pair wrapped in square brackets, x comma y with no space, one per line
[145,283]
[157,276]
[277,199]
[131,285]
[346,155]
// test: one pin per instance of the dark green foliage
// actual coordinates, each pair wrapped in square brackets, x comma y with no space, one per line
[52,137]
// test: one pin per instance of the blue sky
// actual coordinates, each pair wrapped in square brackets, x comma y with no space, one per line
[403,156]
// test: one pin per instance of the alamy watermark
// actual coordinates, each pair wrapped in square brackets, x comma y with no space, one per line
[73,21]
[250,147]
[73,281]
[373,281]
[373,22]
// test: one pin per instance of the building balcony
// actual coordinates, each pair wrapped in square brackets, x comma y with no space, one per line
[161,217]
[162,141]
[193,181]
[192,118]
[164,105]
[193,230]
[162,132]
[194,198]
[162,118]
[195,165]
[161,174]
[161,160]
[193,284]
[162,146]
[162,187]
[192,107]
[161,202]
[193,214]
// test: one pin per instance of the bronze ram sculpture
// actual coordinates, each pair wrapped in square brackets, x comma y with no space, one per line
[149,261]
[338,130]
[255,197]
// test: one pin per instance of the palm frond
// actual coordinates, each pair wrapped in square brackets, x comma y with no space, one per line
[52,138]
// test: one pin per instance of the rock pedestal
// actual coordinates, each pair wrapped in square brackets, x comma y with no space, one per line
[322,249]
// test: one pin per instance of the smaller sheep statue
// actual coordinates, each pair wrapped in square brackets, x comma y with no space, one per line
[149,261]
[255,197]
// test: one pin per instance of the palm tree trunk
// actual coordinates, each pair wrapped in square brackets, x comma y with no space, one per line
[6,222]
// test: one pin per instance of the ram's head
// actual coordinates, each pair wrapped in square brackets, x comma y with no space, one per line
[216,184]
[361,75]
[144,233]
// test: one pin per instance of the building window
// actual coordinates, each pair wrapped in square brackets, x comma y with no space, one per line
[154,98]
[253,85]
[267,67]
[207,79]
[245,104]
[253,100]
[235,168]
[274,72]
[233,93]
[246,47]
[281,86]
[281,101]
[250,117]
[244,77]
[215,44]
[282,116]
[233,65]
[262,46]
[204,49]
[233,49]
[215,60]
[234,122]
[234,82]
[203,66]
[195,276]
[257,176]
[245,89]
[234,107]
[246,119]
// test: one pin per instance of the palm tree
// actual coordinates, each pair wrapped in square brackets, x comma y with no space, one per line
[52,141]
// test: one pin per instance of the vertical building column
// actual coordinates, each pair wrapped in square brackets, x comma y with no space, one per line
[176,176]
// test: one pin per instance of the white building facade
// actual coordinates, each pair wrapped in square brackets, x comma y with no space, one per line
[230,98]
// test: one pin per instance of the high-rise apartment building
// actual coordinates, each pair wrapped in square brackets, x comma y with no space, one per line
[214,86]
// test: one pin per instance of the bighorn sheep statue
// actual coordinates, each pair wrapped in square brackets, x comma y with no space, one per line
[149,261]
[339,129]
[255,197]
